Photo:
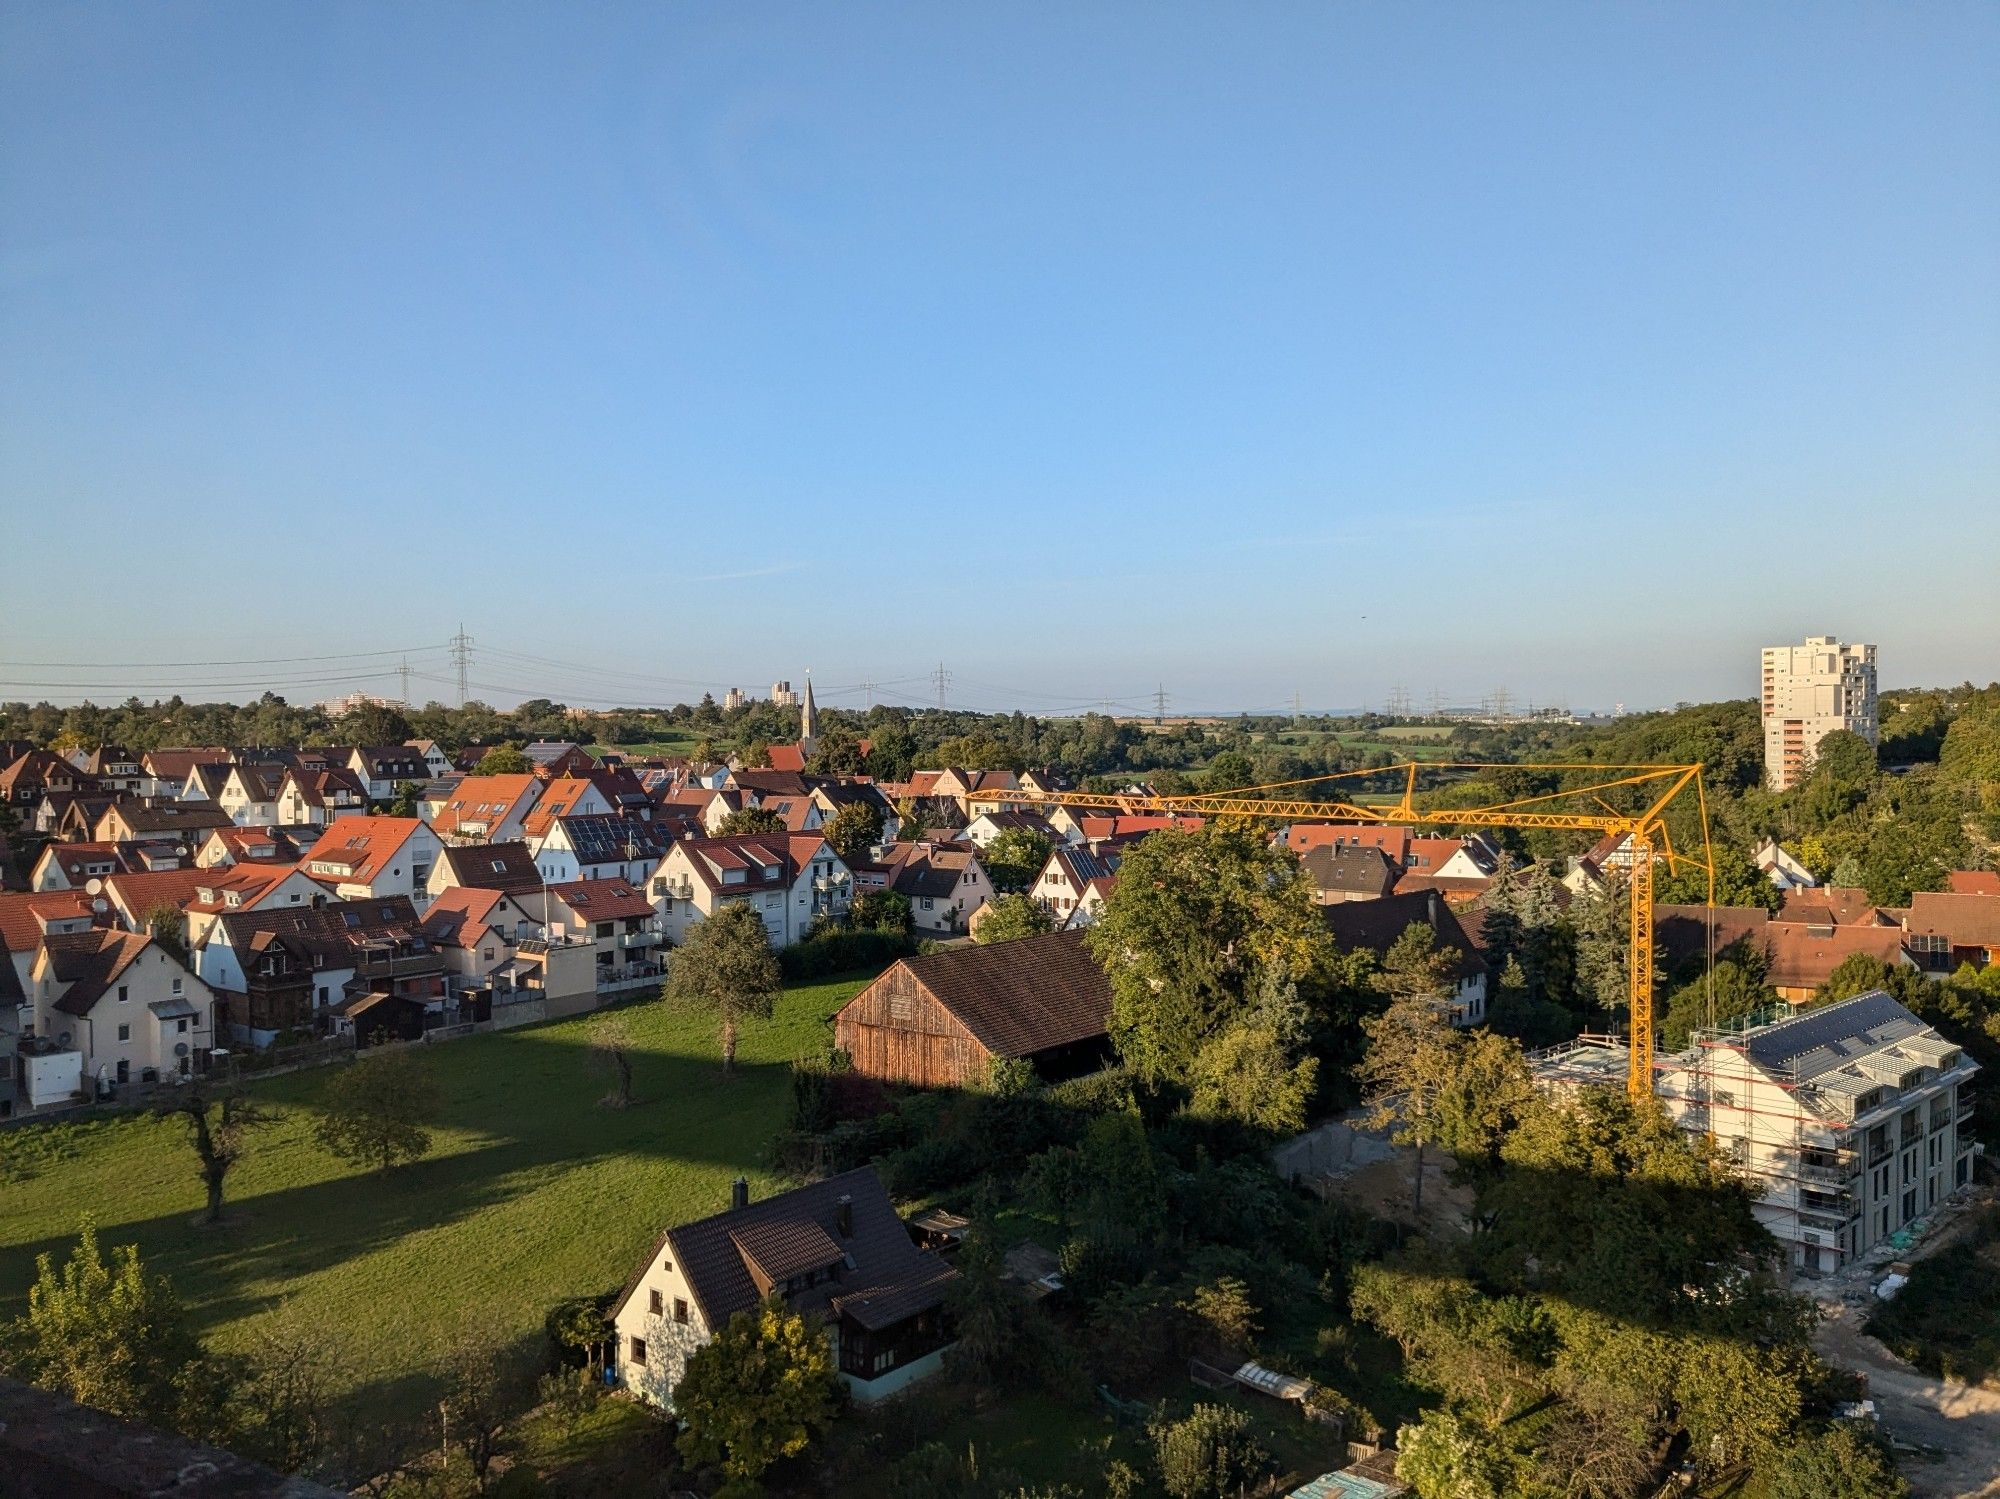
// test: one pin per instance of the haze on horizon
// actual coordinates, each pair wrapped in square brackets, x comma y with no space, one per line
[1258,351]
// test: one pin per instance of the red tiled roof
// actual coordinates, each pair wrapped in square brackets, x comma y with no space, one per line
[1135,824]
[559,795]
[1829,905]
[601,900]
[1391,838]
[1975,882]
[361,844]
[1967,920]
[23,913]
[487,799]
[1804,956]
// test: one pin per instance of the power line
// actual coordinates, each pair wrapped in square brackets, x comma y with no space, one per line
[200,665]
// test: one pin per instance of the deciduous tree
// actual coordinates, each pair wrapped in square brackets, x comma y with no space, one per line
[751,820]
[760,1390]
[854,830]
[611,1046]
[375,1111]
[219,1120]
[113,1336]
[726,967]
[1200,923]
[1015,857]
[1012,916]
[1208,1454]
[1246,1073]
[504,760]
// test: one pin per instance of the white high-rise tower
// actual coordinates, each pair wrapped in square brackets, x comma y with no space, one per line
[1810,691]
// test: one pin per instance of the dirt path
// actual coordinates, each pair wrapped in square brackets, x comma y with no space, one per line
[1960,1423]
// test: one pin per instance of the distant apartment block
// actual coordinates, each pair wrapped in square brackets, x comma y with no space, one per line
[1810,691]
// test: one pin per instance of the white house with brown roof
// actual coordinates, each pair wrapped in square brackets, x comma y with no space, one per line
[249,794]
[944,884]
[487,809]
[313,798]
[358,857]
[788,879]
[252,844]
[616,922]
[480,931]
[382,768]
[129,821]
[124,1002]
[833,1250]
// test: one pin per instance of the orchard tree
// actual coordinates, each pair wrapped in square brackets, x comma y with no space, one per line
[760,1390]
[1210,1453]
[376,1110]
[726,967]
[611,1047]
[219,1120]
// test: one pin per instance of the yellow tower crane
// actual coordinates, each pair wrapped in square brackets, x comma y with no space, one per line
[1651,788]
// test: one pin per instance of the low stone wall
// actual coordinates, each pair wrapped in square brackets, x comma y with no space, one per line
[1333,1149]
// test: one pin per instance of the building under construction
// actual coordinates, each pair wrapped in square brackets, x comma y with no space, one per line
[1850,1122]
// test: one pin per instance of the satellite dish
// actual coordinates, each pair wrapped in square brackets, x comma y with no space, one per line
[100,905]
[180,1048]
[63,1039]
[93,886]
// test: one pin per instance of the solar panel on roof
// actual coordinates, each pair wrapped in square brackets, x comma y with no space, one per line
[1793,1039]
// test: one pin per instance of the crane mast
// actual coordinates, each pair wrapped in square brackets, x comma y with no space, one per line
[1657,787]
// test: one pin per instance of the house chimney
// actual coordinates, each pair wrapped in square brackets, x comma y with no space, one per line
[844,1216]
[739,1193]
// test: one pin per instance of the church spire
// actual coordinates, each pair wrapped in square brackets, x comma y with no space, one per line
[808,718]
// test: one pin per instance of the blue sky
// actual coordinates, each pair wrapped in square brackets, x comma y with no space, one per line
[1252,349]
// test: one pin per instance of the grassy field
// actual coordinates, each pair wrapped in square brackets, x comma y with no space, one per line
[532,1193]
[671,745]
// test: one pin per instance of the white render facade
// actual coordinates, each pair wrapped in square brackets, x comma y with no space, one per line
[787,893]
[1850,1122]
[1809,692]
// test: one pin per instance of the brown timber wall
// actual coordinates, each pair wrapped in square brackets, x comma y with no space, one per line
[897,1033]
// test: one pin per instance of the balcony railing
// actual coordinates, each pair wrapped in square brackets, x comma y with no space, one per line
[630,976]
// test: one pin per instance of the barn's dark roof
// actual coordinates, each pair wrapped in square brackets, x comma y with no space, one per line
[1020,997]
[883,1276]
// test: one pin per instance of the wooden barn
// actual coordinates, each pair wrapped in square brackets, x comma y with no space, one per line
[938,1021]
